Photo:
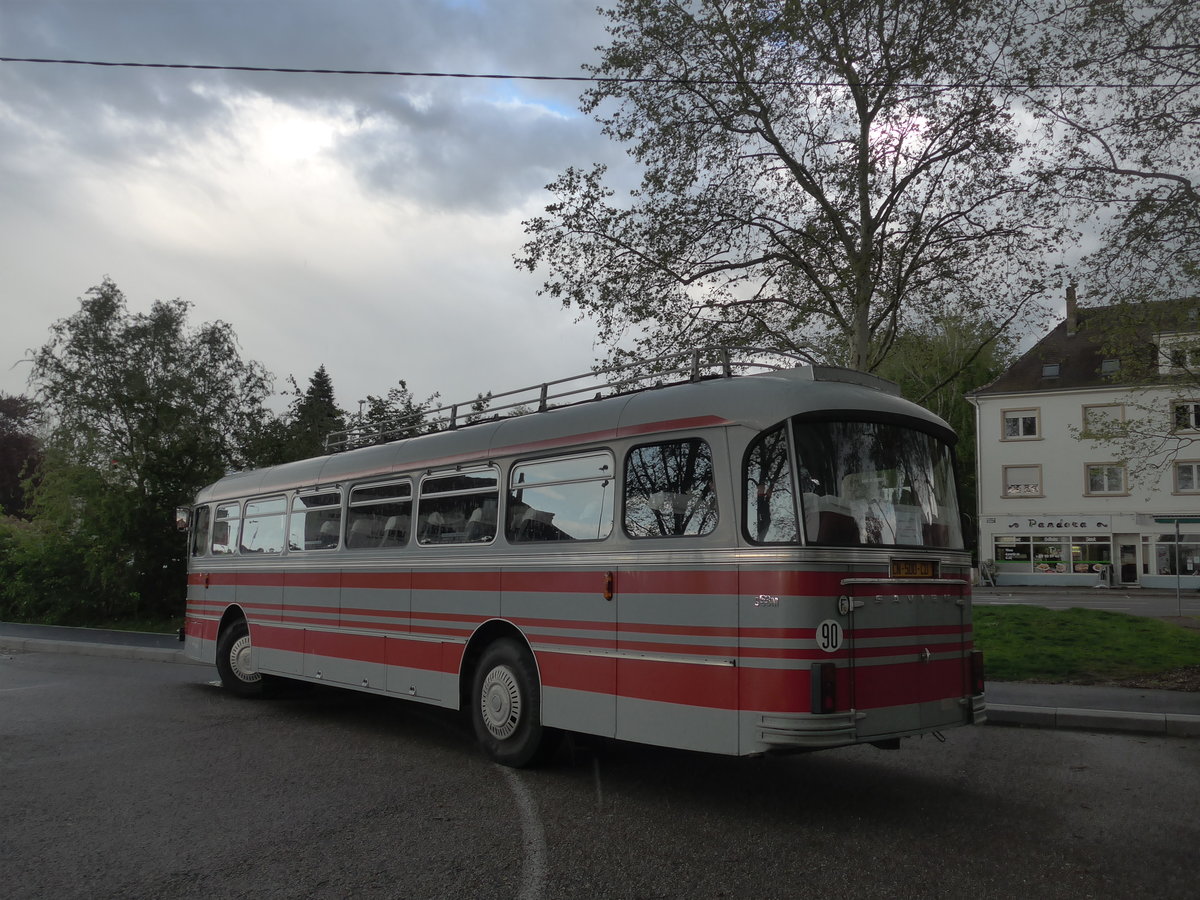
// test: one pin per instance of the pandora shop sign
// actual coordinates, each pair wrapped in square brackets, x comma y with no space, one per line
[1050,523]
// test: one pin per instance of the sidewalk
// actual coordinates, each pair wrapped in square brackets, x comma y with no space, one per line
[1097,708]
[1175,713]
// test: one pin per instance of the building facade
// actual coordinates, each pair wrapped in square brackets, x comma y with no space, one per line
[1057,503]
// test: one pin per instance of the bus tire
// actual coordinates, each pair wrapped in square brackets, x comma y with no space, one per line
[506,705]
[235,661]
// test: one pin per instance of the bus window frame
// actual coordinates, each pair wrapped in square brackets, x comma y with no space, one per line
[246,517]
[510,489]
[199,541]
[340,506]
[410,498]
[748,516]
[233,547]
[664,439]
[420,522]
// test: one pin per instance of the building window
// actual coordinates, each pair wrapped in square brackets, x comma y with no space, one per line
[1187,477]
[1178,354]
[1021,424]
[1022,481]
[1177,559]
[1187,415]
[1102,418]
[1051,370]
[1105,478]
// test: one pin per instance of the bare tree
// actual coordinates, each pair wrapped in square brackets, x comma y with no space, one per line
[815,176]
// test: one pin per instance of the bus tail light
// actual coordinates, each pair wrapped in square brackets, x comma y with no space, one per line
[824,687]
[977,679]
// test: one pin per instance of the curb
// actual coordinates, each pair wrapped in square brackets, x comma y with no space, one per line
[83,648]
[1171,724]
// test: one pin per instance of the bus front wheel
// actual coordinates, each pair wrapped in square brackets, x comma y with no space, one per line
[235,661]
[506,704]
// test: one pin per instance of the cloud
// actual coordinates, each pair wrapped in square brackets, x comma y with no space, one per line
[362,222]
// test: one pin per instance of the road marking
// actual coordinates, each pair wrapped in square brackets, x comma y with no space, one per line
[533,835]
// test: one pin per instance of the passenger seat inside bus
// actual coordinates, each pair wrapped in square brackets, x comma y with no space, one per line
[395,532]
[364,532]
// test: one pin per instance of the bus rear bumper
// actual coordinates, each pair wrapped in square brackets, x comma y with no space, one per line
[828,730]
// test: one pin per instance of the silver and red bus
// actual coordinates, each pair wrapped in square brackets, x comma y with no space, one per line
[735,563]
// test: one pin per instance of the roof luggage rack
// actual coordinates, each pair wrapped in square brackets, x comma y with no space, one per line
[608,381]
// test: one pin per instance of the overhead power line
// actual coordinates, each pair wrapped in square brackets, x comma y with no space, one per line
[593,79]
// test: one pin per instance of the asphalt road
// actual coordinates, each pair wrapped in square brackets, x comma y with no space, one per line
[123,778]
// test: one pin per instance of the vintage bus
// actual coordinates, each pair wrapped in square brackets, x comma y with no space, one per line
[754,560]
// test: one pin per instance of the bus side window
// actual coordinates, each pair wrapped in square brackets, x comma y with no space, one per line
[226,528]
[770,498]
[379,515]
[200,521]
[316,521]
[263,525]
[669,489]
[458,508]
[563,499]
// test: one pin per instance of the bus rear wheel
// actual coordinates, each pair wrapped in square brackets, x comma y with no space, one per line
[506,705]
[235,661]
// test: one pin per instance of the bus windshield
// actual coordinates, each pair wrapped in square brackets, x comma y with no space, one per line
[873,483]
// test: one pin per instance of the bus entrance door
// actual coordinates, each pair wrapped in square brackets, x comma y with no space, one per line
[907,654]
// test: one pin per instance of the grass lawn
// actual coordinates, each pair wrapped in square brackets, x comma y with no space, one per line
[1029,643]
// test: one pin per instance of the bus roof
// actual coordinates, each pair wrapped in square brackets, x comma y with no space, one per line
[756,401]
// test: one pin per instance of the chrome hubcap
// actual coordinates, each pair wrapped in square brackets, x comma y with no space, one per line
[241,660]
[500,702]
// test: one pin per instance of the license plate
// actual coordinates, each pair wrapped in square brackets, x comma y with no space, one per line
[914,568]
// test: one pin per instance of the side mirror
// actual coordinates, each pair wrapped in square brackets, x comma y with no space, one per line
[183,518]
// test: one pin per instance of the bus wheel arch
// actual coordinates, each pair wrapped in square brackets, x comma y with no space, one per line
[500,689]
[235,656]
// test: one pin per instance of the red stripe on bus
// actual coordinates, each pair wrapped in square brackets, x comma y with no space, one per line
[714,687]
[671,425]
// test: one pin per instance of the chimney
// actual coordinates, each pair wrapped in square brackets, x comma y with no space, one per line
[1072,310]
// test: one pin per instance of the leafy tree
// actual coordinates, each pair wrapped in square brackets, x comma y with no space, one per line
[20,451]
[313,415]
[143,410]
[814,172]
[936,363]
[397,414]
[1124,118]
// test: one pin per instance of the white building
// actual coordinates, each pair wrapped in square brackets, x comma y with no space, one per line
[1057,508]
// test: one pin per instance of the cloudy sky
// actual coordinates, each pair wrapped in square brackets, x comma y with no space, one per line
[367,223]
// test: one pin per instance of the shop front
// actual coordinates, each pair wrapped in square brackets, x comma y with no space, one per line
[1113,551]
[1054,550]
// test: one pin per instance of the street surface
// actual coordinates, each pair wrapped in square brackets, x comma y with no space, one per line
[1134,601]
[124,778]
